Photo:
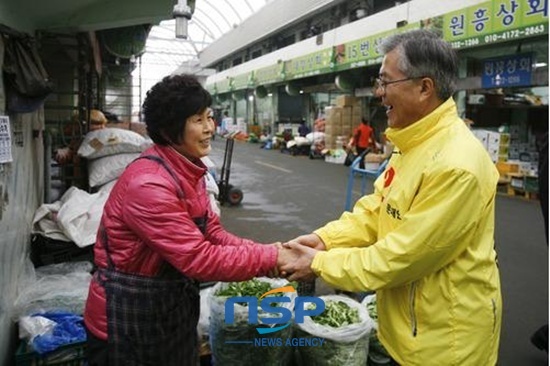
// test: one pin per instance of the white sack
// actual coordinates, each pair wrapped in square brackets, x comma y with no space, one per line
[110,141]
[79,216]
[108,168]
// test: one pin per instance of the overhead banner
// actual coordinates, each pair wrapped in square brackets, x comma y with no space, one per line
[242,81]
[495,21]
[270,74]
[364,51]
[222,86]
[485,23]
[315,63]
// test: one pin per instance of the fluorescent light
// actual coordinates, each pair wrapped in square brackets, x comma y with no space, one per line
[541,64]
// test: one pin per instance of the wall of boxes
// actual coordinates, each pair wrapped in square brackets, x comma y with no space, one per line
[341,120]
[516,162]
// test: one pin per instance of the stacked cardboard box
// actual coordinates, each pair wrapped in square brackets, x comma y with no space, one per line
[341,120]
[491,140]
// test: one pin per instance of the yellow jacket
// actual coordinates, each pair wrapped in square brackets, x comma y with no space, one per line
[424,241]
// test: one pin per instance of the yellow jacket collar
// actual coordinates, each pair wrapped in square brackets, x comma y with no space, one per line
[412,135]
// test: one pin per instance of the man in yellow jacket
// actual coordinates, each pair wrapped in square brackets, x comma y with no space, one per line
[424,240]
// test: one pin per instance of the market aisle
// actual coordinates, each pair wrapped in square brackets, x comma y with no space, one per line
[286,196]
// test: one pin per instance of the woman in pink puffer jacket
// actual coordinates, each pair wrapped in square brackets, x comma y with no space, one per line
[158,239]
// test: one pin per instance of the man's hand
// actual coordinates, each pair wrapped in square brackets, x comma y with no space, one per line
[298,268]
[309,240]
[63,155]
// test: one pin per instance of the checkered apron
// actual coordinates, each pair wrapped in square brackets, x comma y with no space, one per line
[151,320]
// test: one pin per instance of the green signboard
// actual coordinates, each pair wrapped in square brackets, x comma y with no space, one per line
[242,81]
[270,74]
[495,21]
[485,23]
[364,51]
[315,63]
[222,86]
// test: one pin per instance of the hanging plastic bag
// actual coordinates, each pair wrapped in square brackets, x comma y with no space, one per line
[23,68]
[350,157]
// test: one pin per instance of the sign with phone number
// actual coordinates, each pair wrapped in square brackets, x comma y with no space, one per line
[496,21]
[508,35]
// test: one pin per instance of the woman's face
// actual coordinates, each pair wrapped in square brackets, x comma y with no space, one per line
[196,137]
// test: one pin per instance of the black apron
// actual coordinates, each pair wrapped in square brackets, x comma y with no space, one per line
[151,320]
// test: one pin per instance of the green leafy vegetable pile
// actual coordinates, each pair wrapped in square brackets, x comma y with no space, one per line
[337,314]
[373,313]
[235,344]
[376,349]
[253,287]
[344,325]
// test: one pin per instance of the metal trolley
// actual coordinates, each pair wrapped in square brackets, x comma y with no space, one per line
[228,193]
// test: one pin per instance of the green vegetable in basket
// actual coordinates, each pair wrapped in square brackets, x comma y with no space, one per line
[337,314]
[225,338]
[253,287]
[371,308]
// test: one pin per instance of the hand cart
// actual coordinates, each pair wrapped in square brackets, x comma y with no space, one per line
[363,174]
[228,193]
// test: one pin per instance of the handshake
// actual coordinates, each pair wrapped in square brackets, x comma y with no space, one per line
[295,257]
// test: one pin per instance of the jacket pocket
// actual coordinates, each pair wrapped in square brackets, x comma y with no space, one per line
[412,308]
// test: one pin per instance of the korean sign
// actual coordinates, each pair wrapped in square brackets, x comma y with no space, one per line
[507,71]
[496,21]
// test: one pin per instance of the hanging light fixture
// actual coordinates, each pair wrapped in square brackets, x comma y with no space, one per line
[182,13]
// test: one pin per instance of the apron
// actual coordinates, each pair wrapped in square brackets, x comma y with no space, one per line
[151,320]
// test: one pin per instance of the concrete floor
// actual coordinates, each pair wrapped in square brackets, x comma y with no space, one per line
[286,196]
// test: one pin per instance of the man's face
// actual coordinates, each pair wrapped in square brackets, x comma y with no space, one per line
[402,98]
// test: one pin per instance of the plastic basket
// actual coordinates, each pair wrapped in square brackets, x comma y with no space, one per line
[68,355]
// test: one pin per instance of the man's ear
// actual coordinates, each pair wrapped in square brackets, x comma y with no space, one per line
[427,88]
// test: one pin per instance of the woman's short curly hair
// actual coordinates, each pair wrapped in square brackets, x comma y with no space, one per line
[168,105]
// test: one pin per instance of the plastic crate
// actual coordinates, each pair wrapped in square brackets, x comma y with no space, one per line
[68,355]
[531,184]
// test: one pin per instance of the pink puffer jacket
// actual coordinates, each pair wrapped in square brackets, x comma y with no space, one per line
[146,224]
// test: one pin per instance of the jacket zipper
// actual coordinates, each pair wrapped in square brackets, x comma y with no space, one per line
[412,306]
[494,314]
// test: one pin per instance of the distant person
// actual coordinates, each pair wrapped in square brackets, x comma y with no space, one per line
[363,139]
[424,240]
[226,122]
[69,154]
[303,130]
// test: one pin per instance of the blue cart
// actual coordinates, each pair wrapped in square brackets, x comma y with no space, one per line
[357,173]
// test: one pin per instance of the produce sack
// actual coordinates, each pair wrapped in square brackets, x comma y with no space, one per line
[234,344]
[345,325]
[111,141]
[377,352]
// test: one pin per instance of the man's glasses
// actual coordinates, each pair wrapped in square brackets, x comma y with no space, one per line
[379,83]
